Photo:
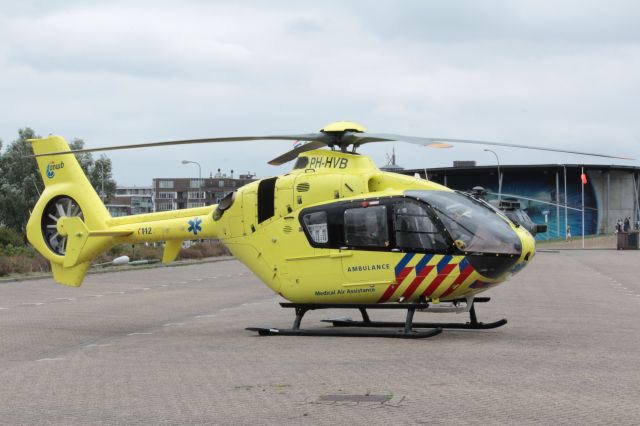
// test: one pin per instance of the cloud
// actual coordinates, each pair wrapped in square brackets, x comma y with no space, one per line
[558,73]
[558,22]
[123,41]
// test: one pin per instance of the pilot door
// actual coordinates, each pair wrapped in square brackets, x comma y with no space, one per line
[353,241]
[367,257]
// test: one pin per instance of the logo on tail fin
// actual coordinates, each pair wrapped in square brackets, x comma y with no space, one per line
[54,166]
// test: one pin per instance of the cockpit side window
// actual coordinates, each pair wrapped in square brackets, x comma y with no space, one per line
[317,226]
[473,226]
[366,227]
[414,229]
[301,163]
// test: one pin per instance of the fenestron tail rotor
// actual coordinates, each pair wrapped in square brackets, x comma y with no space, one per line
[56,209]
[342,135]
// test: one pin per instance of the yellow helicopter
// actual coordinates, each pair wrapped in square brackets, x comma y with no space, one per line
[335,232]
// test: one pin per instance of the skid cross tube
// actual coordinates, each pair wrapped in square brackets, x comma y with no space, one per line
[472,324]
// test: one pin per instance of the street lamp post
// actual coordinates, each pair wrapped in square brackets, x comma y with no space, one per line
[102,169]
[499,175]
[199,171]
[36,185]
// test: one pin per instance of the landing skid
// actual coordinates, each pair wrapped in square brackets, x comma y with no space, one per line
[473,324]
[405,330]
[413,334]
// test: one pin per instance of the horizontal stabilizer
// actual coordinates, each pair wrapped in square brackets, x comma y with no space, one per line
[78,237]
[110,233]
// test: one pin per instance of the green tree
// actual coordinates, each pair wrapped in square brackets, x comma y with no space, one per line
[11,237]
[101,177]
[20,182]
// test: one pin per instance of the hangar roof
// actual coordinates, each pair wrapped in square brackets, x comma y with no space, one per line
[600,167]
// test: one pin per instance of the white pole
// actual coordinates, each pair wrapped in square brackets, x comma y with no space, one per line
[636,188]
[566,223]
[557,204]
[582,186]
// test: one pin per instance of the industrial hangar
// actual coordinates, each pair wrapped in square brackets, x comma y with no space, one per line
[610,192]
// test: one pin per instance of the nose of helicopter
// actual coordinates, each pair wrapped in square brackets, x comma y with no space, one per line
[528,244]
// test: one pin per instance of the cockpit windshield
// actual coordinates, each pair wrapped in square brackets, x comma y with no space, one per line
[473,226]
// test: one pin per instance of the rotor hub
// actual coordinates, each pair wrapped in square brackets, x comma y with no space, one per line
[343,126]
[339,133]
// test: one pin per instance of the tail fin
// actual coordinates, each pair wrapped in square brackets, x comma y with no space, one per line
[68,194]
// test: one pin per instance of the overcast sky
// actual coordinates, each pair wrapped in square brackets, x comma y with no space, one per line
[563,74]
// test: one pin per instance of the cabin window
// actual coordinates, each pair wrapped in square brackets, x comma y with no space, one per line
[414,229]
[366,227]
[266,196]
[316,224]
[301,163]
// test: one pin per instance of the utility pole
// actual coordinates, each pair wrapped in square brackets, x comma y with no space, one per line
[566,219]
[582,184]
[499,175]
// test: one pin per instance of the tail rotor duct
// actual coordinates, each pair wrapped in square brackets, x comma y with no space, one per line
[56,208]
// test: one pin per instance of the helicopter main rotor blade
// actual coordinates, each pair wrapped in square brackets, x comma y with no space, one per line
[293,154]
[330,138]
[303,137]
[361,138]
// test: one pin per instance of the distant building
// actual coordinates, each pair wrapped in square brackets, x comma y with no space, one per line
[130,200]
[185,193]
[553,192]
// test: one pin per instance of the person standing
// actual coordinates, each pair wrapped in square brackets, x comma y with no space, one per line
[568,237]
[626,224]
